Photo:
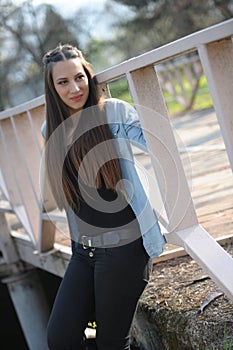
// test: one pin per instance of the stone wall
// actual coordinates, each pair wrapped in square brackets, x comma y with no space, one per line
[183,309]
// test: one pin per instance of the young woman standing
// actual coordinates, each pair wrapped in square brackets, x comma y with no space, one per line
[114,231]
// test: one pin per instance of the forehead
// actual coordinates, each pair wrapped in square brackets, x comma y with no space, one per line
[67,69]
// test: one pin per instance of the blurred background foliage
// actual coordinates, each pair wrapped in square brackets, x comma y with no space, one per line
[118,30]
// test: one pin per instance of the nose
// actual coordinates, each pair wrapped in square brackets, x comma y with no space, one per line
[74,87]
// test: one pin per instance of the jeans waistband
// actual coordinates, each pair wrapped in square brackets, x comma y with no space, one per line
[110,238]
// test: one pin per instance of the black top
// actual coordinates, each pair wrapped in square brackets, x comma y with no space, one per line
[97,216]
[93,210]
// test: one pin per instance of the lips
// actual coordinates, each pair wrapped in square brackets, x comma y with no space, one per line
[76,98]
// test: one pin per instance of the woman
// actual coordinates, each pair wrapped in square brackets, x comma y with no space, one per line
[113,229]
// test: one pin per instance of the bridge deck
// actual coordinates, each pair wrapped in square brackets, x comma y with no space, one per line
[211,177]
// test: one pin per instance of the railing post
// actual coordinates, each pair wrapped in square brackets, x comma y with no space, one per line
[183,227]
[47,229]
[103,90]
[217,62]
[147,95]
[7,247]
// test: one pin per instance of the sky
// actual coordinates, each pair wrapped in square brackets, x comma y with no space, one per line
[99,22]
[68,7]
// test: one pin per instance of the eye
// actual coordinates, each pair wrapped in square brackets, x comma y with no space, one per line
[80,77]
[62,82]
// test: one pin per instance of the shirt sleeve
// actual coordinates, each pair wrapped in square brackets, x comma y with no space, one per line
[133,127]
[43,129]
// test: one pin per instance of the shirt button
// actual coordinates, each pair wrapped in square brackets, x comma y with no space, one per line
[91,254]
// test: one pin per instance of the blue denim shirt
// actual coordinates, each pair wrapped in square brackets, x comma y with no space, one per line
[125,126]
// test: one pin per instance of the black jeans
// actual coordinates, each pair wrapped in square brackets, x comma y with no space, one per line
[107,285]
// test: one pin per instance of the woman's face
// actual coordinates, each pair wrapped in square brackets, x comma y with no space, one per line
[71,83]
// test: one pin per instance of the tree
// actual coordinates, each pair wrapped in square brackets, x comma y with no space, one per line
[26,34]
[152,23]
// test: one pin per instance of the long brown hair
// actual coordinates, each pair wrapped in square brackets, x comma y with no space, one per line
[63,161]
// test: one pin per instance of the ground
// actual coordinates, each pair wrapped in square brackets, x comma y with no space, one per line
[185,309]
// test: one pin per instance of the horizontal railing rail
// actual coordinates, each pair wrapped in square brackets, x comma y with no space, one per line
[169,51]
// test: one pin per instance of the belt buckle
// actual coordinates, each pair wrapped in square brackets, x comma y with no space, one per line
[86,242]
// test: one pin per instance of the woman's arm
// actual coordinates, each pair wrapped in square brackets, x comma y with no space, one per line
[133,127]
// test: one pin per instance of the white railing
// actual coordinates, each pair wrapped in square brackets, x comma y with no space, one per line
[21,144]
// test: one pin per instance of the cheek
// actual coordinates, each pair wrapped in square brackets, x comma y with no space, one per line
[61,93]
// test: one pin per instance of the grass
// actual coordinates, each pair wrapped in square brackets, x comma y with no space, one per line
[227,344]
[119,89]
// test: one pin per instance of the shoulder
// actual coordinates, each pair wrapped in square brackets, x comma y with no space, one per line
[116,108]
[115,103]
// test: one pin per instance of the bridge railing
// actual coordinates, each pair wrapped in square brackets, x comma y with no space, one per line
[21,146]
